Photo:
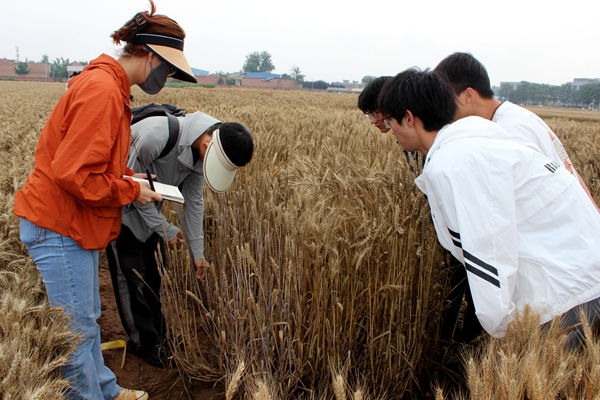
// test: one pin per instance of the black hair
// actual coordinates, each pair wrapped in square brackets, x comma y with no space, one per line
[367,99]
[236,140]
[462,71]
[213,128]
[424,93]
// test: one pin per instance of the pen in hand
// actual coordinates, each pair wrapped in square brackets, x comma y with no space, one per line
[150,179]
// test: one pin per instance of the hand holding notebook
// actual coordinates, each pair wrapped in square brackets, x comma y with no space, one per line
[168,192]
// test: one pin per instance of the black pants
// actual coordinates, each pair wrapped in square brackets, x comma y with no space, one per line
[573,324]
[138,297]
[469,328]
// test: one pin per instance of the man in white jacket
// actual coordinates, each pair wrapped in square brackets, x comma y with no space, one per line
[520,223]
[470,83]
[474,96]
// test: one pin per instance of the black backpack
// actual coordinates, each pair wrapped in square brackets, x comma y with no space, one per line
[161,110]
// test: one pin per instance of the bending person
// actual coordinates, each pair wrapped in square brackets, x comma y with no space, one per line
[202,142]
[367,103]
[470,82]
[520,223]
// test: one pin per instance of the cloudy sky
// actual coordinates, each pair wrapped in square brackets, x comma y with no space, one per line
[536,41]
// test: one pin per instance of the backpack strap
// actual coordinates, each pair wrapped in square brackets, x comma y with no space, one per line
[173,123]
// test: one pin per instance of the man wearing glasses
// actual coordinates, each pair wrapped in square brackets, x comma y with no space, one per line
[520,223]
[367,103]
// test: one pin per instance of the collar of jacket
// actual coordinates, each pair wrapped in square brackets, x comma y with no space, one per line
[112,67]
[465,128]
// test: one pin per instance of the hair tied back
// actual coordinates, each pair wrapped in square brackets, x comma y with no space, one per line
[140,22]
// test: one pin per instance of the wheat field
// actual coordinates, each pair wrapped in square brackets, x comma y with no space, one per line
[327,280]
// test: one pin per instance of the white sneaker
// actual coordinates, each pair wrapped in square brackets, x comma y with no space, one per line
[128,394]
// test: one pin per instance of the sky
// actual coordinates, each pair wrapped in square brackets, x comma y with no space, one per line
[516,40]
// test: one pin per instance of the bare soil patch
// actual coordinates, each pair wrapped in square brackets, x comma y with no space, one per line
[161,384]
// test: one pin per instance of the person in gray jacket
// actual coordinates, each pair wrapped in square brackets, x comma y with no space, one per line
[206,151]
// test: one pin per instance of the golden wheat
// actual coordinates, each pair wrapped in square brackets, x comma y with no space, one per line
[324,262]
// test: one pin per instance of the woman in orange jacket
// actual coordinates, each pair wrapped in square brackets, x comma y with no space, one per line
[71,204]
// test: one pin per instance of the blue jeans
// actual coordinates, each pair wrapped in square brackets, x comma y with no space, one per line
[70,275]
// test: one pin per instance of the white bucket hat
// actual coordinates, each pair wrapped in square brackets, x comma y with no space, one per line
[218,169]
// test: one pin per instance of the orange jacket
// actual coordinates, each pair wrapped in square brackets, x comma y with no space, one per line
[77,187]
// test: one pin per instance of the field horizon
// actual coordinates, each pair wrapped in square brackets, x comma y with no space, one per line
[327,279]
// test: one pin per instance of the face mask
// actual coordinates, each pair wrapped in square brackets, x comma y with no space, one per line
[156,79]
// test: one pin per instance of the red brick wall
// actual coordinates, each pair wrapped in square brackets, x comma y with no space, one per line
[277,84]
[209,79]
[38,73]
[7,68]
[37,70]
[253,83]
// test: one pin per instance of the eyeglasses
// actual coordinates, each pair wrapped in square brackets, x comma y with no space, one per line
[387,122]
[172,71]
[371,116]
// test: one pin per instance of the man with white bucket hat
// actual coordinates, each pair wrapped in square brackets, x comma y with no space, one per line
[207,150]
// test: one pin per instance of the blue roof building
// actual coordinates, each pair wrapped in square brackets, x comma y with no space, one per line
[199,72]
[262,75]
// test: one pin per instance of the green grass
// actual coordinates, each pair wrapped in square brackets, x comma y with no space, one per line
[179,85]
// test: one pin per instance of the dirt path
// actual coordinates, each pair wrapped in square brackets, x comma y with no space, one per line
[161,384]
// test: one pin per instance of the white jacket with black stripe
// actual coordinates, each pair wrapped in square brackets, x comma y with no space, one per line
[521,224]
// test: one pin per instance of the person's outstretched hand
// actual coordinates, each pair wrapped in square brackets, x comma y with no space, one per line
[201,266]
[178,238]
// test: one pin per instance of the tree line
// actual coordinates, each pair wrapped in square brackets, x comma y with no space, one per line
[527,93]
[564,95]
[58,67]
